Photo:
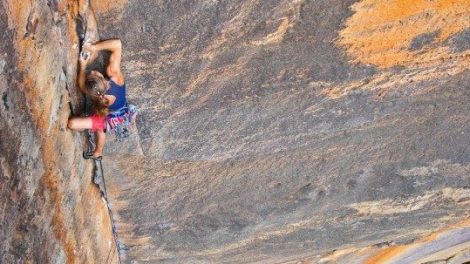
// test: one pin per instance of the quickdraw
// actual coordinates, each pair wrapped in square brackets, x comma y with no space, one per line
[120,120]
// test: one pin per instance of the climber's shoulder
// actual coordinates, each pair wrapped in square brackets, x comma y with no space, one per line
[118,78]
[115,75]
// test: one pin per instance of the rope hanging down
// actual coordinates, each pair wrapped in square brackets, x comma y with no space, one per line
[98,179]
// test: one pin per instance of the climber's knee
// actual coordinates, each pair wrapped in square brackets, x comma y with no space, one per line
[71,124]
[79,123]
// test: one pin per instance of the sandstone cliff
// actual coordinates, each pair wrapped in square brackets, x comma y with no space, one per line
[51,212]
[269,132]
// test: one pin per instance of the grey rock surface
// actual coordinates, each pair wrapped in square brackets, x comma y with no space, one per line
[260,140]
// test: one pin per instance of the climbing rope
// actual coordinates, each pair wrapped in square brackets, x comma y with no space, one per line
[113,226]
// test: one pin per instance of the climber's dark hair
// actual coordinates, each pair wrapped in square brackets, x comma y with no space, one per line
[97,87]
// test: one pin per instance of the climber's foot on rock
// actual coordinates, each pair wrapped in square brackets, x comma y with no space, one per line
[92,155]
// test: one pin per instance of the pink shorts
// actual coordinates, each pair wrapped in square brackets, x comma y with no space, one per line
[97,123]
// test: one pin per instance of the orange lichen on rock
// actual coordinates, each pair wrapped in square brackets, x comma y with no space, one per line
[395,253]
[386,254]
[100,6]
[381,32]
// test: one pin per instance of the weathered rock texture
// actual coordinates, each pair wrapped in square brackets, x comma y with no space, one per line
[50,210]
[280,131]
[270,132]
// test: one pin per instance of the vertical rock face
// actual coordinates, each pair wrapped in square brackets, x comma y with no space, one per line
[50,210]
[281,131]
[270,132]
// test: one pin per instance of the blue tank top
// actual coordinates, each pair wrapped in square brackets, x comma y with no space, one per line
[118,91]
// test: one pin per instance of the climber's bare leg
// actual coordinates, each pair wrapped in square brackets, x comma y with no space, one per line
[100,136]
[80,123]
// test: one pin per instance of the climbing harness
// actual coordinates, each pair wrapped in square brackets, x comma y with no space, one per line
[120,120]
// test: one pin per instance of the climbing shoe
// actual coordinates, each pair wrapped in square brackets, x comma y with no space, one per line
[89,155]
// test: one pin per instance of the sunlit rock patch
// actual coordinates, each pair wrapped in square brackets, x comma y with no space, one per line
[404,32]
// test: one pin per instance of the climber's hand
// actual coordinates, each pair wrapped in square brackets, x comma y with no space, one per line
[90,47]
[83,59]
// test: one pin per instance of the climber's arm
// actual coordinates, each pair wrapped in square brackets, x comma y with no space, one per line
[114,67]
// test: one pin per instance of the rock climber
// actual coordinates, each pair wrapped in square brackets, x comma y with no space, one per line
[108,94]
